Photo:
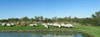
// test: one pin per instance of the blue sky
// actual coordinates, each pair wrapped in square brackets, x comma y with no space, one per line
[48,8]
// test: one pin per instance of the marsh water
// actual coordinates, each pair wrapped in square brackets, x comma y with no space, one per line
[40,34]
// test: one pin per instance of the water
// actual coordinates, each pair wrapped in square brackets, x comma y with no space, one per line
[39,34]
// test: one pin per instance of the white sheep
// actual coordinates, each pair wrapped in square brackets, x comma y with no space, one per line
[62,24]
[71,25]
[33,24]
[45,25]
[49,24]
[67,25]
[12,24]
[3,24]
[59,26]
[56,25]
[8,24]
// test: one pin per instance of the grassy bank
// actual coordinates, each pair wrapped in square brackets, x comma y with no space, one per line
[95,31]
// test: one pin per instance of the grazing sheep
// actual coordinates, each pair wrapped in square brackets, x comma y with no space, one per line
[71,25]
[57,25]
[45,25]
[8,24]
[3,24]
[33,24]
[49,24]
[12,24]
[62,24]
[67,25]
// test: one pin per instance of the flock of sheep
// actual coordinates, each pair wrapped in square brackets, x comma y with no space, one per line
[8,24]
[44,24]
[57,25]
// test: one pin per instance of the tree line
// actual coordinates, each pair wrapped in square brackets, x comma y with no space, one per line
[94,20]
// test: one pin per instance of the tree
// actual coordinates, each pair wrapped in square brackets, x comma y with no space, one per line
[4,20]
[54,19]
[46,20]
[31,19]
[60,20]
[13,19]
[76,19]
[96,15]
[36,18]
[24,19]
[41,18]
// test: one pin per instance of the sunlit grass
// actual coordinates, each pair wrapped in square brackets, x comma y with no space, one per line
[93,30]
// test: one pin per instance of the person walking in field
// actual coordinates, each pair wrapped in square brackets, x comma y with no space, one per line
[18,23]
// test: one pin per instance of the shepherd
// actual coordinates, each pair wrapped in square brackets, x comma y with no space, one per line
[18,23]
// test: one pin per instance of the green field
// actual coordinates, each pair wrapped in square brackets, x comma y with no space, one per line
[92,30]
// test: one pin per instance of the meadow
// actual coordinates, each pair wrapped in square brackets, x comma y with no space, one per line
[92,30]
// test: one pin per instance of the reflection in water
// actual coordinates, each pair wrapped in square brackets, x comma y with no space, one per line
[18,34]
[49,35]
[39,34]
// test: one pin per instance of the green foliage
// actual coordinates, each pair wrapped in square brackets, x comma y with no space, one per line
[24,19]
[95,20]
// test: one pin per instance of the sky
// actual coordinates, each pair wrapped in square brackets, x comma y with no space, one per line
[48,8]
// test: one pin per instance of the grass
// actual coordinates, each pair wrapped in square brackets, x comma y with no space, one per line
[93,30]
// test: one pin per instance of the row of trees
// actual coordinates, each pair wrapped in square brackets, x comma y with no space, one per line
[94,20]
[38,19]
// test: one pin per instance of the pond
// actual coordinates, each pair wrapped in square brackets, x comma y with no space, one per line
[40,34]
